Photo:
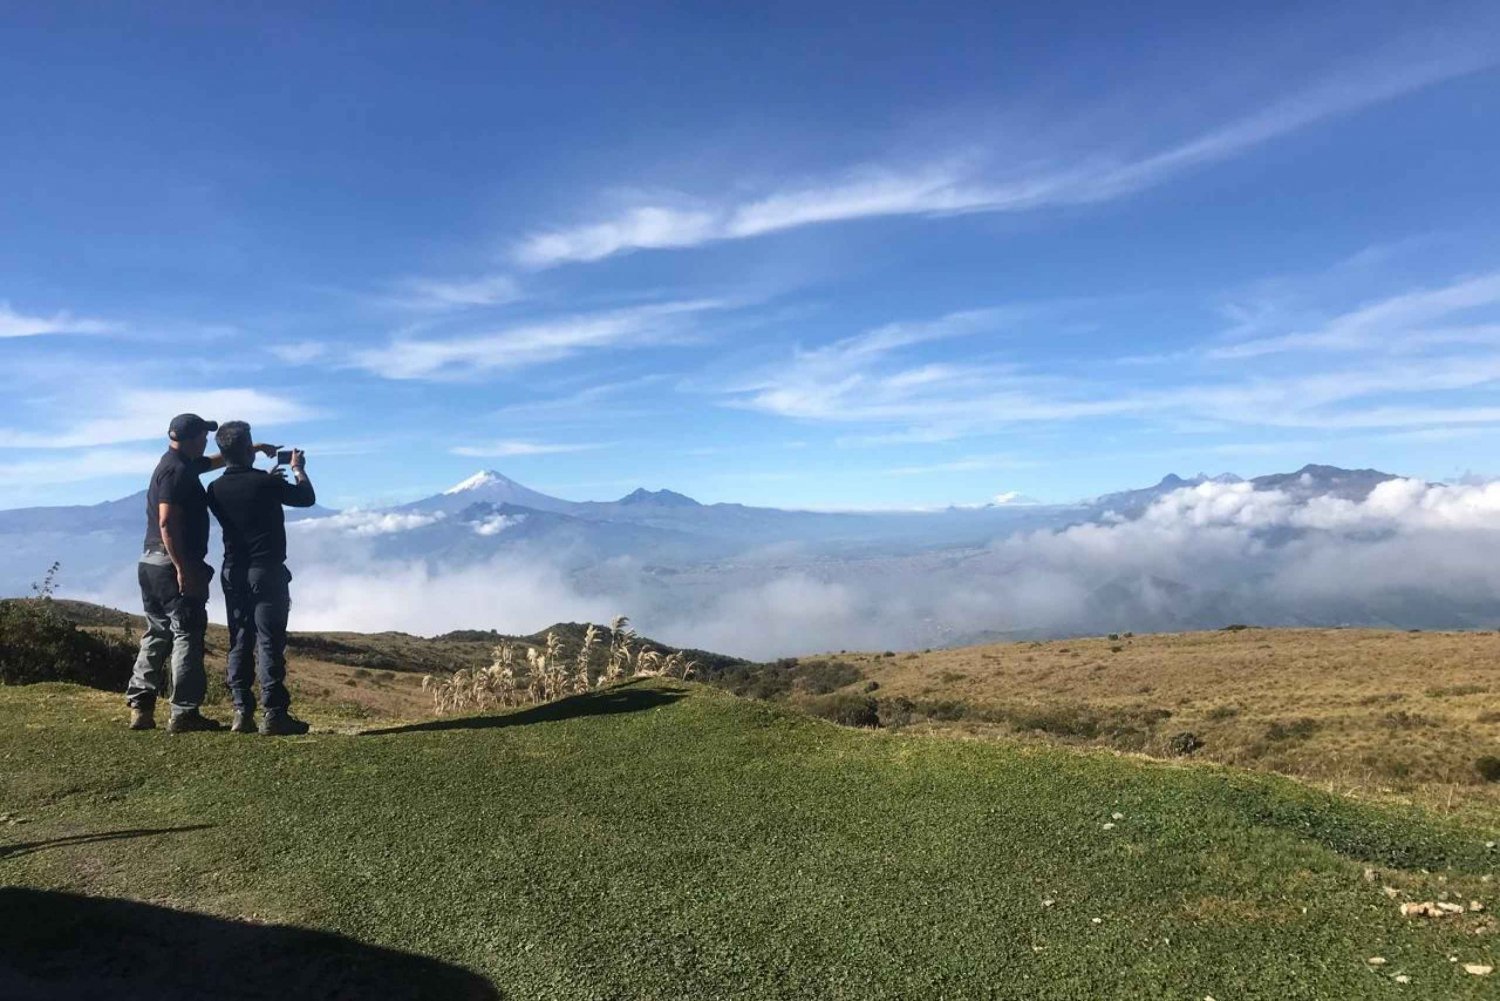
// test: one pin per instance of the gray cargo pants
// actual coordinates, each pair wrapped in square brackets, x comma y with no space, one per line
[174,628]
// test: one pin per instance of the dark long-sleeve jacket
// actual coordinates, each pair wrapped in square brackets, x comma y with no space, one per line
[247,502]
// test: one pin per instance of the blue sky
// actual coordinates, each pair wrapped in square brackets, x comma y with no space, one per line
[849,256]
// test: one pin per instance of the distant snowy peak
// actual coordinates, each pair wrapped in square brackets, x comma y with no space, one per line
[480,480]
[657,498]
[488,486]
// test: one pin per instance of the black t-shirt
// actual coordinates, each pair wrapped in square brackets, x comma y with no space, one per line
[247,502]
[175,482]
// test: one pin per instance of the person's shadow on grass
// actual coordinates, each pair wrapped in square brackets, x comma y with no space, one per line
[61,946]
[27,847]
[626,698]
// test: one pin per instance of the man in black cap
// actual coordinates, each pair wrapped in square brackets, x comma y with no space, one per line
[174,580]
[248,502]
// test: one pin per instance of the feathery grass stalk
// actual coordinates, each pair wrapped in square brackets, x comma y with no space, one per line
[521,674]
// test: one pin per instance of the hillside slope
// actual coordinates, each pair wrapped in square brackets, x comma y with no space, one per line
[667,841]
[1380,713]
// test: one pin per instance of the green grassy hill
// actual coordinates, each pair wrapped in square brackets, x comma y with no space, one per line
[662,840]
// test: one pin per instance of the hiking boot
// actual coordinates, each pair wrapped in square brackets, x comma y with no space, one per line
[192,722]
[282,724]
[244,721]
[143,717]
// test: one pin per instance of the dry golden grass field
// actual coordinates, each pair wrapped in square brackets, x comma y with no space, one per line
[1375,713]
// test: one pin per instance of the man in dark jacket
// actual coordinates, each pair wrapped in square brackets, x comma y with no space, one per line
[248,501]
[174,581]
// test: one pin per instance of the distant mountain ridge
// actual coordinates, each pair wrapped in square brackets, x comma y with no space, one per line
[662,548]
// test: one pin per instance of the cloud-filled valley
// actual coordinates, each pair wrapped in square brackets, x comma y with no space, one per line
[1322,547]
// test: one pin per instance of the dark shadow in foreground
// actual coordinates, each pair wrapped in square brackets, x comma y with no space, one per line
[57,946]
[27,847]
[626,698]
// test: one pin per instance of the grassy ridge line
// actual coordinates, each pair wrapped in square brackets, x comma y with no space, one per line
[666,841]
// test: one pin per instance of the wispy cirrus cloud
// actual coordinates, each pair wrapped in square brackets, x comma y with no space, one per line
[143,415]
[982,184]
[78,467]
[426,294]
[527,344]
[1401,322]
[15,324]
[505,449]
[1402,369]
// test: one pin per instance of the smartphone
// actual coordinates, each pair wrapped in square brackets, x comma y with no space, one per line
[283,457]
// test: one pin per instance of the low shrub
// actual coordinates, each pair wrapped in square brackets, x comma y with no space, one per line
[1292,729]
[846,709]
[37,644]
[899,711]
[1062,720]
[1184,743]
[1488,768]
[1443,691]
[1222,712]
[1400,719]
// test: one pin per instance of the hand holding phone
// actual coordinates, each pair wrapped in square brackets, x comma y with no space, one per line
[284,456]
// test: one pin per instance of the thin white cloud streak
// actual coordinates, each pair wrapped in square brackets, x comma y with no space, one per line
[14,324]
[141,415]
[425,294]
[958,187]
[504,449]
[1394,322]
[299,352]
[77,467]
[526,345]
[1403,360]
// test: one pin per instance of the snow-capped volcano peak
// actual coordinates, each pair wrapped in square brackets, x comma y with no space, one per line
[483,478]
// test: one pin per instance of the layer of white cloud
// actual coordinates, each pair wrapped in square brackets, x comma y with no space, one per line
[14,324]
[502,449]
[497,523]
[1412,554]
[368,523]
[76,467]
[142,415]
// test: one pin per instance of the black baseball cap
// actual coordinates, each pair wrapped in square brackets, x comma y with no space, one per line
[189,426]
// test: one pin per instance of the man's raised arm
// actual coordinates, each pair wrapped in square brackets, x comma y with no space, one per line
[299,493]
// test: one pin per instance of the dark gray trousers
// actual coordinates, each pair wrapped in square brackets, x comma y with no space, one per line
[174,629]
[258,602]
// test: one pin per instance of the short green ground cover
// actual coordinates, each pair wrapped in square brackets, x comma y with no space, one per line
[670,841]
